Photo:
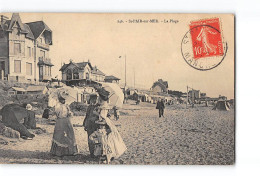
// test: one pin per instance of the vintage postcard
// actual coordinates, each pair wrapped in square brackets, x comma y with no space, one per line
[133,89]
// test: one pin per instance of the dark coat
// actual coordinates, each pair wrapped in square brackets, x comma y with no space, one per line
[160,105]
[90,126]
[89,122]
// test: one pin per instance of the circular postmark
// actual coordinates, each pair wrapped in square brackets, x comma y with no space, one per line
[203,47]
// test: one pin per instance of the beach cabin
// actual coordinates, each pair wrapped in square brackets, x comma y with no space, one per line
[37,90]
[15,91]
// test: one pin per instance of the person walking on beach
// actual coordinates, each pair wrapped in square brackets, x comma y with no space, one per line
[160,106]
[116,113]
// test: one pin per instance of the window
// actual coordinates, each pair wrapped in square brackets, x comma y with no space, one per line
[87,75]
[41,40]
[29,51]
[17,66]
[47,73]
[75,73]
[69,74]
[28,68]
[41,70]
[17,48]
[42,53]
[46,70]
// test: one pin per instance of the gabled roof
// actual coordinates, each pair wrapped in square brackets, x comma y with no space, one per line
[16,18]
[80,65]
[32,30]
[97,71]
[111,77]
[38,27]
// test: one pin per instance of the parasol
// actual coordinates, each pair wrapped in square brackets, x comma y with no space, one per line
[116,96]
[66,92]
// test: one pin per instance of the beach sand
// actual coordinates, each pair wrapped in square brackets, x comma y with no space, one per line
[194,136]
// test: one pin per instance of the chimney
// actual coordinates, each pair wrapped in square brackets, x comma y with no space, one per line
[3,19]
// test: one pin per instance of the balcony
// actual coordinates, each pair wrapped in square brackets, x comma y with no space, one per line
[43,46]
[44,61]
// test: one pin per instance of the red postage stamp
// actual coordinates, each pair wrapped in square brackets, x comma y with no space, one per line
[206,38]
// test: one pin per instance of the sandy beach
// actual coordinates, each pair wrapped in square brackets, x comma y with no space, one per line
[194,136]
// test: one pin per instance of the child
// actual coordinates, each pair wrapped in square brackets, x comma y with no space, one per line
[100,140]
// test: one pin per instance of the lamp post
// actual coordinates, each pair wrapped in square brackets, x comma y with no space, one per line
[125,81]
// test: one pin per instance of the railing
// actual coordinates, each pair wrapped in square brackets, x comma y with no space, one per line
[45,60]
[42,45]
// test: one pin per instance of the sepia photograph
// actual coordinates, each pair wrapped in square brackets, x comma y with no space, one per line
[117,88]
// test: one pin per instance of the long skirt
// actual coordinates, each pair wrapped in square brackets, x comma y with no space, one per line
[115,141]
[63,142]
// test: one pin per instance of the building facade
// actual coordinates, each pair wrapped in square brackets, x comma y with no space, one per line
[194,94]
[160,86]
[112,79]
[24,50]
[81,74]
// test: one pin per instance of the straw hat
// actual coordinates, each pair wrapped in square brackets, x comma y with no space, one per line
[28,107]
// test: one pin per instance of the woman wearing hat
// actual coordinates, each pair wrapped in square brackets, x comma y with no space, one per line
[115,142]
[63,142]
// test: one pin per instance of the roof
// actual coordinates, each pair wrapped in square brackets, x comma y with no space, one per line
[35,88]
[31,30]
[18,89]
[29,34]
[97,71]
[161,83]
[16,18]
[80,65]
[111,77]
[38,27]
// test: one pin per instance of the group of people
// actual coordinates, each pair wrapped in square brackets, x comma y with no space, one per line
[104,140]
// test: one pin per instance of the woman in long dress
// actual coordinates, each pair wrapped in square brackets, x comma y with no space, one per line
[63,142]
[114,139]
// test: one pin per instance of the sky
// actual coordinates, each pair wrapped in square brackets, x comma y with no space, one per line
[152,51]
